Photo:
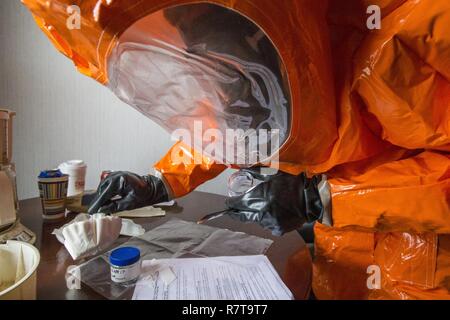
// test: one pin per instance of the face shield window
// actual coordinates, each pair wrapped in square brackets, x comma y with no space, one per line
[208,71]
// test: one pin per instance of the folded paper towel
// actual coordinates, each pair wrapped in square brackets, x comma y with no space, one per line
[88,235]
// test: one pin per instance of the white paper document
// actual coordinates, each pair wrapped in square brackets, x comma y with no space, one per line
[219,278]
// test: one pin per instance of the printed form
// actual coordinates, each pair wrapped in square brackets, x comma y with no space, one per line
[218,278]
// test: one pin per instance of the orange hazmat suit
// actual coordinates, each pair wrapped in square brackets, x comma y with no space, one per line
[369,108]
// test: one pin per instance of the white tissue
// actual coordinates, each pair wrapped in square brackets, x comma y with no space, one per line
[157,270]
[131,229]
[87,235]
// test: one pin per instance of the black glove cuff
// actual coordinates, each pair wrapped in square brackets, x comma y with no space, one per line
[157,190]
[313,204]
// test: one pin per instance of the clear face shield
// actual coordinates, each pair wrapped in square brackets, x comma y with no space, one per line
[209,76]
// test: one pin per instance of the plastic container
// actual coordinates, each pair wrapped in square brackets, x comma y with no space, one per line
[18,264]
[76,170]
[125,265]
[53,192]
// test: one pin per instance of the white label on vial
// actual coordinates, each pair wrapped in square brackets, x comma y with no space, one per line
[125,274]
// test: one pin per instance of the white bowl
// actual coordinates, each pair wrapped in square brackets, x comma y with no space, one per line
[12,254]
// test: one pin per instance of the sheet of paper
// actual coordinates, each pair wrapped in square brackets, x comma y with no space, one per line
[219,278]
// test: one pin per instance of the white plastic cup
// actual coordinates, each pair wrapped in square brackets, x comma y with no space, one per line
[19,262]
[76,170]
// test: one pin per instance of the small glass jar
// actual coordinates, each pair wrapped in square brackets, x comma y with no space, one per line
[125,265]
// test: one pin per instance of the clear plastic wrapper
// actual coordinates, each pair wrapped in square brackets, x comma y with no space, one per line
[174,239]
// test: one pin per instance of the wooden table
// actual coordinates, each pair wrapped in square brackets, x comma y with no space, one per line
[51,282]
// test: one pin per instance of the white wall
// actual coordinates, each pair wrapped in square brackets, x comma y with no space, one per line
[63,115]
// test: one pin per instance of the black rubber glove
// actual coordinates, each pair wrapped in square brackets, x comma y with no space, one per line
[281,203]
[134,191]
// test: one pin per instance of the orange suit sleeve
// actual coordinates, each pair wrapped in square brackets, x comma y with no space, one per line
[184,169]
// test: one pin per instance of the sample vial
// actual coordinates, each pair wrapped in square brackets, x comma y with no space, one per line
[125,265]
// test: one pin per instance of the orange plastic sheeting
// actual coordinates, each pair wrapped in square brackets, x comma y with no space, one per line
[411,266]
[402,74]
[340,263]
[184,169]
[391,87]
[298,274]
[407,258]
[412,194]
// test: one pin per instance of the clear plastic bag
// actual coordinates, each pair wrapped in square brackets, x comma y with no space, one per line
[174,239]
